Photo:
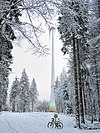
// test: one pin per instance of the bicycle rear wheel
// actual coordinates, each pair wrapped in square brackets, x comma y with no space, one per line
[59,125]
[50,125]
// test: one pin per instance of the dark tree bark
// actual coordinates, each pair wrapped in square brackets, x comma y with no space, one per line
[96,56]
[13,106]
[80,83]
[77,113]
[97,86]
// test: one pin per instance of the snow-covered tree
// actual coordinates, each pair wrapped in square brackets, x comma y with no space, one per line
[79,24]
[98,67]
[42,106]
[25,100]
[33,94]
[73,29]
[34,15]
[9,13]
[14,95]
[94,49]
[58,96]
[62,94]
[64,90]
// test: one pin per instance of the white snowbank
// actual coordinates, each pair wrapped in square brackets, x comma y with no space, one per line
[36,122]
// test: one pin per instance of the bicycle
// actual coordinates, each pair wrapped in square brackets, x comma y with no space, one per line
[55,123]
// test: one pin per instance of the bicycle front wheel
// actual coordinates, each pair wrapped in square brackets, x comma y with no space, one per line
[50,125]
[59,125]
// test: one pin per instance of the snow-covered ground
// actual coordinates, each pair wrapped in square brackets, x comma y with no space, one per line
[36,122]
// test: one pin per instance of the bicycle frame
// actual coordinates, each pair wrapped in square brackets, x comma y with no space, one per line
[55,123]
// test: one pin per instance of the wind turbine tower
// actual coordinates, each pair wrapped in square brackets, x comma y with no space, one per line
[52,107]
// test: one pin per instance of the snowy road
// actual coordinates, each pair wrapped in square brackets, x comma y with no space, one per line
[36,123]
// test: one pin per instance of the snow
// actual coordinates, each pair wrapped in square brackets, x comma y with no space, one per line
[36,122]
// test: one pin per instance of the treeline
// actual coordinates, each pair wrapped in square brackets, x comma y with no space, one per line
[23,96]
[79,28]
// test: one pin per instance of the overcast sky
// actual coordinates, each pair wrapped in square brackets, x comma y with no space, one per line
[38,67]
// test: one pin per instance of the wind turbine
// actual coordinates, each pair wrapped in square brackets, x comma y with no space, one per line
[52,107]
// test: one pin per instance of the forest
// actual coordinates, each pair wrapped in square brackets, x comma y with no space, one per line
[77,91]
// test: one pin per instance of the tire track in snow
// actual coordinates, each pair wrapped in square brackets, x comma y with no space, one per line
[17,123]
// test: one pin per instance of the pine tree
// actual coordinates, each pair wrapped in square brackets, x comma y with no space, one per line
[8,10]
[25,100]
[64,91]
[63,94]
[33,94]
[58,96]
[14,94]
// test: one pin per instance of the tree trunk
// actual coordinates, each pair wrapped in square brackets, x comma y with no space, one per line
[13,106]
[90,103]
[97,87]
[0,107]
[24,108]
[80,83]
[84,96]
[77,113]
[32,106]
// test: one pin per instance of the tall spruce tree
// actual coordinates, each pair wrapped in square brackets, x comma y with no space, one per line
[25,100]
[58,96]
[33,94]
[14,95]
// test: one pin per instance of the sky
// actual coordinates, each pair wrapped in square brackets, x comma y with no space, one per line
[36,122]
[38,67]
